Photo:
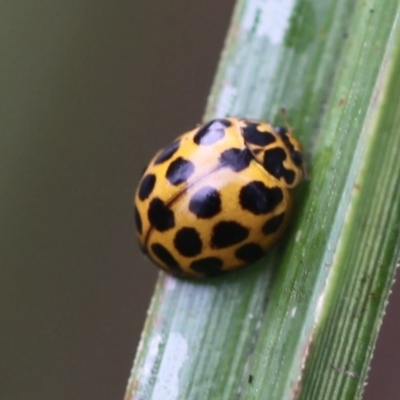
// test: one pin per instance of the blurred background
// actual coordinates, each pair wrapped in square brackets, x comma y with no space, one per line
[88,91]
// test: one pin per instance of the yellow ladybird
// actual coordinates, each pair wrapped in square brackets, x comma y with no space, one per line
[218,197]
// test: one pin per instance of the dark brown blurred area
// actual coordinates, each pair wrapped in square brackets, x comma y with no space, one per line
[89,90]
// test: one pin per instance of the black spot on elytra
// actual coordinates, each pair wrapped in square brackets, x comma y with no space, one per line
[249,252]
[166,257]
[146,186]
[228,233]
[187,241]
[209,266]
[297,158]
[179,171]
[236,159]
[258,198]
[253,135]
[211,132]
[273,163]
[273,224]
[296,155]
[160,216]
[205,203]
[138,221]
[167,153]
[283,133]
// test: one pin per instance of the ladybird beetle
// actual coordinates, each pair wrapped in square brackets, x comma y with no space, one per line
[218,197]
